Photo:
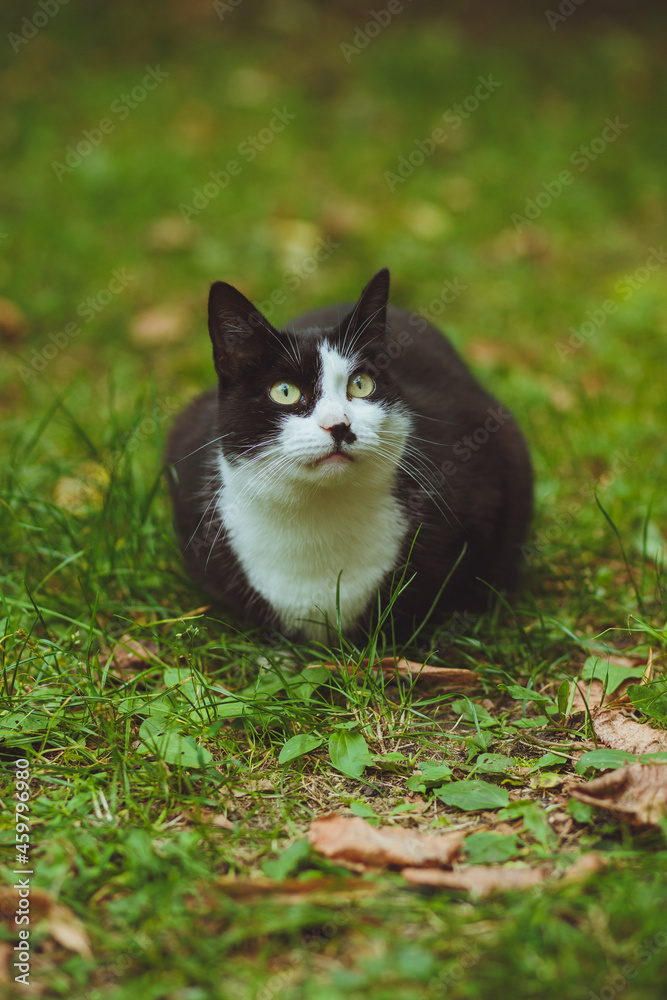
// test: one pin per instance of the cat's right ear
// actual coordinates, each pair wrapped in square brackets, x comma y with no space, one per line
[367,323]
[236,328]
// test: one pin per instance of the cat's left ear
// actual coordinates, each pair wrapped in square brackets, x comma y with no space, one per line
[368,320]
[237,328]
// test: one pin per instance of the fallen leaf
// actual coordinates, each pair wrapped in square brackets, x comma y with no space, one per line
[222,822]
[477,879]
[637,792]
[628,662]
[354,840]
[130,654]
[61,922]
[560,395]
[83,491]
[202,609]
[615,730]
[6,955]
[547,779]
[67,931]
[13,324]
[208,816]
[428,673]
[294,239]
[247,888]
[342,216]
[160,325]
[531,242]
[590,695]
[426,219]
[422,672]
[585,866]
[248,87]
[459,193]
[169,233]
[605,682]
[259,785]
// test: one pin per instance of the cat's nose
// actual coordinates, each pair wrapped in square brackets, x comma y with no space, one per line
[333,417]
[342,433]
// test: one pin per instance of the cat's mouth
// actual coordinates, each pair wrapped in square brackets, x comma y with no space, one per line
[335,457]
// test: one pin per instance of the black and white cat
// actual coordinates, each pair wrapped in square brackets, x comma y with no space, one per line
[302,481]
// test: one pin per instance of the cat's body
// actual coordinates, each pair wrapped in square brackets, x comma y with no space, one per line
[281,502]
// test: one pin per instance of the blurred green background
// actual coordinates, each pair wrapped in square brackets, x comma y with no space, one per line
[356,103]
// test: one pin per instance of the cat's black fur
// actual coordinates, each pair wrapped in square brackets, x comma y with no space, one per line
[473,487]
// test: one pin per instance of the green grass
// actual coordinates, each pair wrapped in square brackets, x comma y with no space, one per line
[120,831]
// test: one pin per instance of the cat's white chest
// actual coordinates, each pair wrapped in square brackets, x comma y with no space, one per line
[294,555]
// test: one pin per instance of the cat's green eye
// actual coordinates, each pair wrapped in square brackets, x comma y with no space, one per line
[360,386]
[285,392]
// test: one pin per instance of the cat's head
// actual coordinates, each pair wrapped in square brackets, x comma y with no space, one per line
[311,405]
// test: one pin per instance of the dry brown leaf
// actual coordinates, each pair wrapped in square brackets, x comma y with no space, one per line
[194,613]
[477,879]
[13,324]
[169,233]
[160,325]
[208,816]
[509,244]
[62,925]
[637,792]
[631,662]
[422,672]
[590,694]
[341,216]
[67,931]
[131,654]
[244,888]
[83,491]
[255,785]
[428,673]
[222,822]
[585,866]
[6,956]
[352,839]
[615,730]
[294,239]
